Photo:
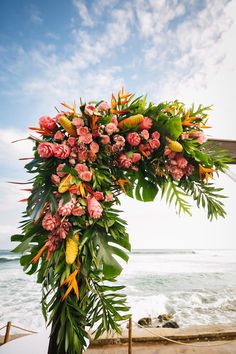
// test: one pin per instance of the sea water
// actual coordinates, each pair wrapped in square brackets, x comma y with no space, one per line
[197,286]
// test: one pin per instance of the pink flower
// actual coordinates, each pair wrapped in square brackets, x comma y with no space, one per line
[82,155]
[181,161]
[78,211]
[86,176]
[145,124]
[82,131]
[71,141]
[104,106]
[120,140]
[202,138]
[108,197]
[154,143]
[50,222]
[81,168]
[156,135]
[124,161]
[98,195]
[45,150]
[86,139]
[64,229]
[105,139]
[59,135]
[144,134]
[136,157]
[176,173]
[184,135]
[77,122]
[94,147]
[65,209]
[133,139]
[52,243]
[89,110]
[116,147]
[114,120]
[59,170]
[94,208]
[92,156]
[110,128]
[61,151]
[189,170]
[47,123]
[55,179]
[168,152]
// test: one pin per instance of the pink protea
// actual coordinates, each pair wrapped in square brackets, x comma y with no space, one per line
[65,209]
[78,211]
[104,106]
[111,128]
[80,167]
[145,124]
[136,157]
[98,195]
[47,123]
[55,179]
[61,151]
[105,139]
[124,161]
[94,147]
[64,229]
[78,122]
[189,170]
[50,222]
[119,139]
[181,161]
[46,150]
[176,172]
[59,170]
[59,136]
[86,176]
[90,109]
[144,134]
[94,208]
[133,139]
[154,143]
[156,135]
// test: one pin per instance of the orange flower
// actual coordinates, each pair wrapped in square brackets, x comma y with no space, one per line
[72,284]
[39,254]
[205,171]
[188,120]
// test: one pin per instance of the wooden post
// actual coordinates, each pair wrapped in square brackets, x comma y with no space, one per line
[130,335]
[7,334]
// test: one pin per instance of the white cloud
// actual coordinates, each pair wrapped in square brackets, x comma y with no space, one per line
[83,11]
[35,15]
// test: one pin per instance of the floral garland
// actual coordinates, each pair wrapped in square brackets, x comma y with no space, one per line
[72,232]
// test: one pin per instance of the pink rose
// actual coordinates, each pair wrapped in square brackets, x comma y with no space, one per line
[104,106]
[144,134]
[55,179]
[98,195]
[181,161]
[168,152]
[78,211]
[202,138]
[71,141]
[124,161]
[189,170]
[114,120]
[120,140]
[133,139]
[108,197]
[176,173]
[136,157]
[81,168]
[47,123]
[45,150]
[59,135]
[89,110]
[110,128]
[105,139]
[94,147]
[156,135]
[82,155]
[61,151]
[82,131]
[77,122]
[94,208]
[86,139]
[184,135]
[154,143]
[59,170]
[92,156]
[86,176]
[145,124]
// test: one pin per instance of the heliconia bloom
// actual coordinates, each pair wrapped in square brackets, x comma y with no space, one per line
[105,139]
[154,143]
[156,135]
[55,179]
[144,134]
[86,176]
[47,123]
[145,124]
[50,222]
[64,229]
[78,211]
[61,151]
[94,147]
[104,106]
[86,138]
[71,141]
[46,150]
[94,208]
[181,161]
[59,170]
[77,122]
[65,209]
[136,157]
[189,170]
[108,197]
[119,139]
[98,195]
[133,139]
[82,131]
[80,167]
[59,136]
[89,109]
[111,128]
[201,137]
[124,161]
[184,135]
[176,172]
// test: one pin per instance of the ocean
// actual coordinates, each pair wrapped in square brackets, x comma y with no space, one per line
[197,286]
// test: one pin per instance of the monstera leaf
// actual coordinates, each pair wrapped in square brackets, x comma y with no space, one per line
[169,126]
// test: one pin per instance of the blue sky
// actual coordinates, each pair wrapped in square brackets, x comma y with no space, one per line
[54,51]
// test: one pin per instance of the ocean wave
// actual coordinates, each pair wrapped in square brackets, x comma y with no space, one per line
[164,251]
[8,259]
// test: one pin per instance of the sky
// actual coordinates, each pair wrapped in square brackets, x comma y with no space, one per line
[55,51]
